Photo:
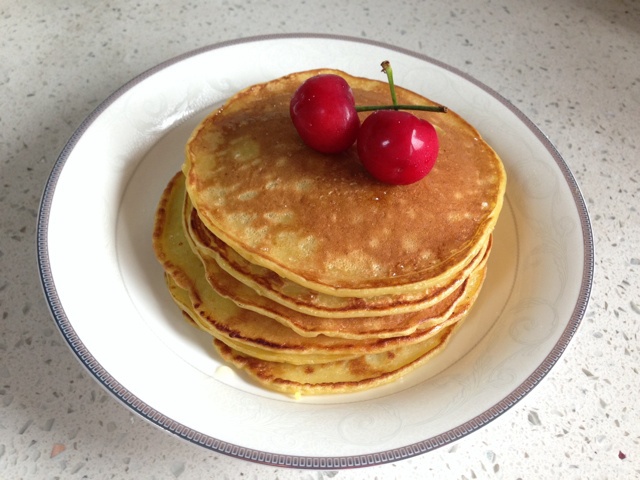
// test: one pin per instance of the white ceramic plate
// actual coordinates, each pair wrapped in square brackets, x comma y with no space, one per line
[107,296]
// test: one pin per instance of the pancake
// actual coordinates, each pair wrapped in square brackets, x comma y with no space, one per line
[345,376]
[309,275]
[392,324]
[282,347]
[322,221]
[264,283]
[251,332]
[302,357]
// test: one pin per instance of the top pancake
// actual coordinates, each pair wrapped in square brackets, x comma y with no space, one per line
[321,220]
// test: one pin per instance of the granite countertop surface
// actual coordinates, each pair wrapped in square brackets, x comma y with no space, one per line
[571,67]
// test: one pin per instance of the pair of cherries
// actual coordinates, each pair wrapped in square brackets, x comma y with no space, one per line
[393,145]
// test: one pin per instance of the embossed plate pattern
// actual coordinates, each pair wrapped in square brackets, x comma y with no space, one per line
[106,293]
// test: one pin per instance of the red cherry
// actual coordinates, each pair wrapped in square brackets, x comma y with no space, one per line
[323,111]
[397,147]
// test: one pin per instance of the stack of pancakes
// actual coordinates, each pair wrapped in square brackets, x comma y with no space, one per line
[309,274]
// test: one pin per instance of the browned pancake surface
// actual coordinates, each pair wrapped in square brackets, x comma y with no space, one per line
[322,220]
[260,335]
[264,285]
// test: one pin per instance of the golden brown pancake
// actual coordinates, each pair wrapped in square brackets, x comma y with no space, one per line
[299,355]
[309,274]
[321,220]
[391,324]
[249,338]
[265,284]
[346,376]
[251,332]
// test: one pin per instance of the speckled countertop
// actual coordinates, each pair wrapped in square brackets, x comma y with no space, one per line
[572,67]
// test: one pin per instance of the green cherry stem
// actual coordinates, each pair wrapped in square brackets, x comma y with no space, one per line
[424,108]
[386,68]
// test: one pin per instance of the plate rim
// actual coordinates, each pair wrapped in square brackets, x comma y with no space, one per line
[160,420]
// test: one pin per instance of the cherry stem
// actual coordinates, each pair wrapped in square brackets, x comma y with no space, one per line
[424,108]
[386,68]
